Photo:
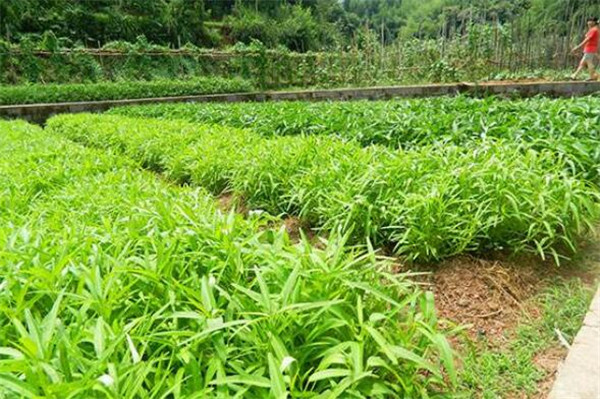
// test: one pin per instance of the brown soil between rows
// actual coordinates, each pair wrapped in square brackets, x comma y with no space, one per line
[487,296]
[294,226]
[491,297]
[228,202]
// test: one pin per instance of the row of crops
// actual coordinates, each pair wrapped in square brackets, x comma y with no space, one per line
[56,93]
[427,203]
[117,284]
[480,175]
[569,127]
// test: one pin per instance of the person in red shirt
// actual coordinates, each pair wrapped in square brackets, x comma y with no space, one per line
[590,50]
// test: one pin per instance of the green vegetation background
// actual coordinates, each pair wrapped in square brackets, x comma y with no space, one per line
[300,25]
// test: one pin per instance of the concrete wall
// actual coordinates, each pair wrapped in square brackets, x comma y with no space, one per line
[40,112]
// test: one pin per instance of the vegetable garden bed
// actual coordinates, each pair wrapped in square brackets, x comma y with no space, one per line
[514,308]
[119,284]
[569,127]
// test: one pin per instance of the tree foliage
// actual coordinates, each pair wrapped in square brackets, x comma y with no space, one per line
[300,25]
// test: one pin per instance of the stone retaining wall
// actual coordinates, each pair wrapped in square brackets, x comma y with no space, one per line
[40,112]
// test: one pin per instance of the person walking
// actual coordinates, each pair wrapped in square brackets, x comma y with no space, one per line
[590,50]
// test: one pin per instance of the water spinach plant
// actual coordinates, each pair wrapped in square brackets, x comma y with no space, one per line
[427,203]
[568,127]
[116,284]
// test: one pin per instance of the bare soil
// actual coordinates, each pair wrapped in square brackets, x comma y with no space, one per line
[228,202]
[549,361]
[296,228]
[492,296]
[487,296]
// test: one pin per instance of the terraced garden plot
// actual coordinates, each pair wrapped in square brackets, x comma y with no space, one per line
[115,284]
[56,93]
[428,203]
